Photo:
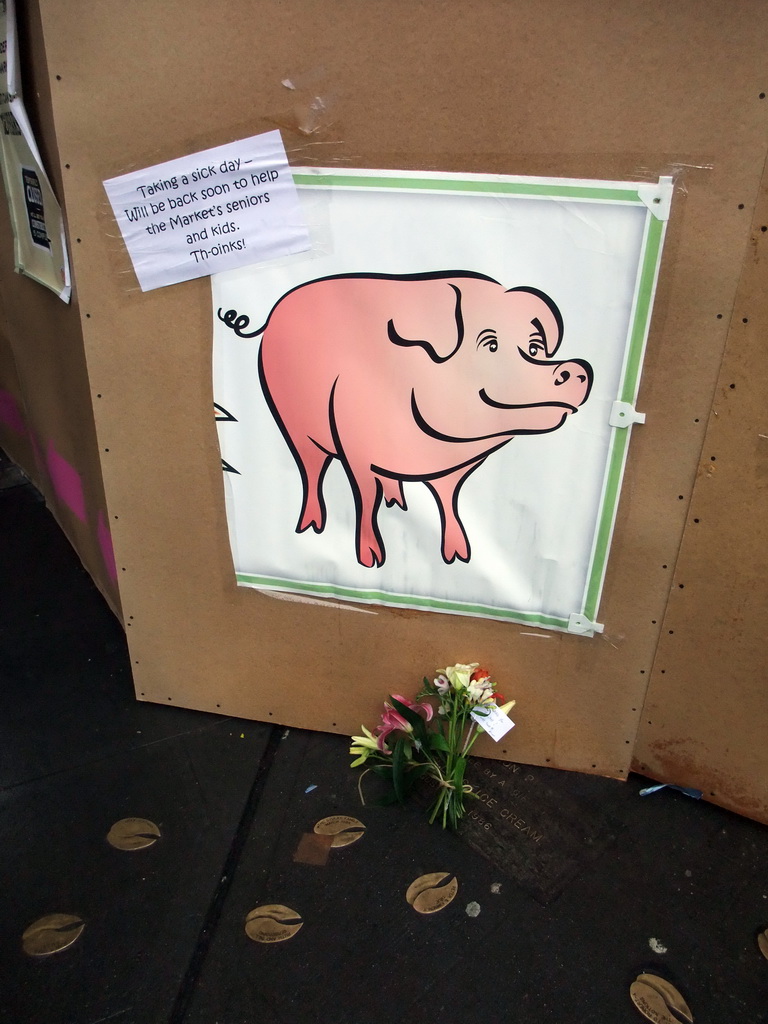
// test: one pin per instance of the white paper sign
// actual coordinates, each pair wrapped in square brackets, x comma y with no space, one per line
[495,723]
[215,210]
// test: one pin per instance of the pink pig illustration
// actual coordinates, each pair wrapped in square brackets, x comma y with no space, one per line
[410,377]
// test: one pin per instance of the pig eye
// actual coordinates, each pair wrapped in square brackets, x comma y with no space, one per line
[535,348]
[489,341]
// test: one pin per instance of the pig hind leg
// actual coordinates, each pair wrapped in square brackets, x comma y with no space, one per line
[368,490]
[455,543]
[312,461]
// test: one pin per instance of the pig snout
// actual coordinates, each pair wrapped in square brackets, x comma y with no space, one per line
[573,381]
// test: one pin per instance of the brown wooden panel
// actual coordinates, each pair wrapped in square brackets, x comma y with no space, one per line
[705,718]
[568,88]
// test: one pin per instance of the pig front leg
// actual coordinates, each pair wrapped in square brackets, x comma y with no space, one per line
[455,543]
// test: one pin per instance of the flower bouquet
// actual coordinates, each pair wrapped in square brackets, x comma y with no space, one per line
[431,738]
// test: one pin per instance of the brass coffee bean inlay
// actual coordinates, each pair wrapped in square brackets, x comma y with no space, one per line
[345,830]
[650,1001]
[51,934]
[133,834]
[272,923]
[669,993]
[762,942]
[427,895]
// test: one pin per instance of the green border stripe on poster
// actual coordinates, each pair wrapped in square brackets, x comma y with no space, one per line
[516,188]
[607,515]
[620,445]
[645,292]
[380,597]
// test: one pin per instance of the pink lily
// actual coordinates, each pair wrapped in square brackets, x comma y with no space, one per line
[393,721]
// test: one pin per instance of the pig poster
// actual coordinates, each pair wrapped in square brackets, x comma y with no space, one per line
[431,407]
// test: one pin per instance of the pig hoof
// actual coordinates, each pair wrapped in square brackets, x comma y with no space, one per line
[306,524]
[463,556]
[399,501]
[371,559]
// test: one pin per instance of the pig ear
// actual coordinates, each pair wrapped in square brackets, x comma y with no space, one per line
[435,324]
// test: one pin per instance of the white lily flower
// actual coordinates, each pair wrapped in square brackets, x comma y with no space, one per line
[459,675]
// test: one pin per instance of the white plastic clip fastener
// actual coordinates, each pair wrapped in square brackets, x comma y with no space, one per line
[580,624]
[624,415]
[657,196]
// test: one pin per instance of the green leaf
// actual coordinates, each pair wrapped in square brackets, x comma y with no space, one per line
[458,772]
[398,765]
[438,742]
[387,800]
[413,719]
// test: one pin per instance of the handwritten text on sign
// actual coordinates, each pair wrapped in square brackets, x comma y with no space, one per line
[212,211]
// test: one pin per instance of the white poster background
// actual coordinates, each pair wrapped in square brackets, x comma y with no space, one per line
[531,510]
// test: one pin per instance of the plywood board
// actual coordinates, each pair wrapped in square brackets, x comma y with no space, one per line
[704,721]
[562,89]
